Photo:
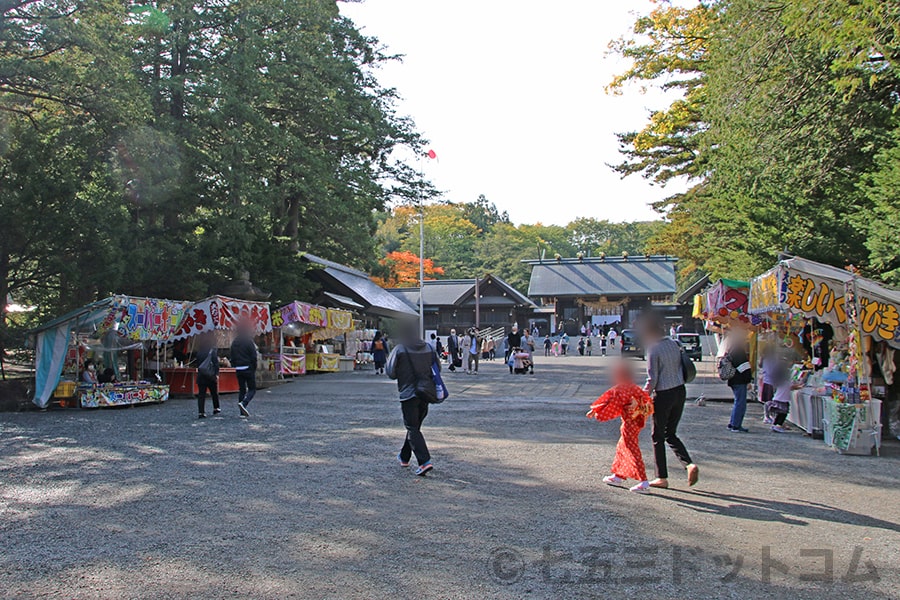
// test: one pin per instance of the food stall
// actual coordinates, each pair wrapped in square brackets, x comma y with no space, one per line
[103,331]
[220,316]
[838,391]
[304,331]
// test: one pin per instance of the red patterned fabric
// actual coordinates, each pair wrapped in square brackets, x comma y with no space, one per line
[633,405]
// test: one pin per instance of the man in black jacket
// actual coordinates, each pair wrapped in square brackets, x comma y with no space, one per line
[410,364]
[452,349]
[243,359]
[207,374]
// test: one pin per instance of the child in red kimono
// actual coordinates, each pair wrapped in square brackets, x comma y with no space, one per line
[631,402]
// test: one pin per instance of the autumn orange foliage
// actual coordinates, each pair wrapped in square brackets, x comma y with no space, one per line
[403,270]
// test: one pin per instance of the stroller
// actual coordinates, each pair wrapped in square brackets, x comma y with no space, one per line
[520,362]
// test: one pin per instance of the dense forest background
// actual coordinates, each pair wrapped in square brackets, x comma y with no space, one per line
[162,148]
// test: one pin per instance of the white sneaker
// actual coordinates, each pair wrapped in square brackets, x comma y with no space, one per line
[641,488]
[613,480]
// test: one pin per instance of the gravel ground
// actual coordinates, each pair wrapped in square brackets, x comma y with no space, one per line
[305,500]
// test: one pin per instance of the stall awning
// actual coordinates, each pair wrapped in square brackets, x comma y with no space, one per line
[343,301]
[819,291]
[223,313]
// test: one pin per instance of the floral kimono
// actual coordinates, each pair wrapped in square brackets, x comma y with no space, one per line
[633,404]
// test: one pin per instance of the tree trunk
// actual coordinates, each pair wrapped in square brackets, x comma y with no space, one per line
[292,230]
[4,290]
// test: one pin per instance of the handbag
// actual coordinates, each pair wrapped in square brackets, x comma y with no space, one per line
[688,369]
[208,368]
[726,369]
[442,392]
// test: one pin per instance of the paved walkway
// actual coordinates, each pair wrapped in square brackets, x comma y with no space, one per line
[305,500]
[562,378]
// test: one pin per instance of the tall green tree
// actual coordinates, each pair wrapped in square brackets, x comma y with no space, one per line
[786,114]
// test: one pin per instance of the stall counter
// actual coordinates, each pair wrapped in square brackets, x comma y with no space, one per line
[121,394]
[182,381]
[807,411]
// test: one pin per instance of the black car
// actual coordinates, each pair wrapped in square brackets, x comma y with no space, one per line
[631,346]
[692,344]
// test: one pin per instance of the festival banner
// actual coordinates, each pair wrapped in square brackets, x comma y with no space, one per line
[142,319]
[728,300]
[766,293]
[340,319]
[220,312]
[293,364]
[819,291]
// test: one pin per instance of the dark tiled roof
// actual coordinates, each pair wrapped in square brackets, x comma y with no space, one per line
[460,292]
[687,296]
[357,285]
[635,276]
[445,292]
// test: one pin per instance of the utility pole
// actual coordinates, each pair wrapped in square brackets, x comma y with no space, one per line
[422,273]
[477,304]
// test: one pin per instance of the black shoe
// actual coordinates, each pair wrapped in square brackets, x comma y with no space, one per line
[243,409]
[201,416]
[217,411]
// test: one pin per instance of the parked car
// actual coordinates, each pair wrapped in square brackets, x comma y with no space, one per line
[631,346]
[692,344]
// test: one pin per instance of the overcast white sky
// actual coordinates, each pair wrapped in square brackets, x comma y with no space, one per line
[510,95]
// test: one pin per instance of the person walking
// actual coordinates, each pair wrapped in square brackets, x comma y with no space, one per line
[452,350]
[410,365]
[207,375]
[611,339]
[243,359]
[513,340]
[473,351]
[528,346]
[564,344]
[379,352]
[437,345]
[665,382]
[548,345]
[628,401]
[738,353]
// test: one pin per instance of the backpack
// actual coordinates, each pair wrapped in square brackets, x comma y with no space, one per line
[378,346]
[726,368]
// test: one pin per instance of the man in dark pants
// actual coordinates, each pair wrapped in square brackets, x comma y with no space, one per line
[243,359]
[665,381]
[410,364]
[207,375]
[452,349]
